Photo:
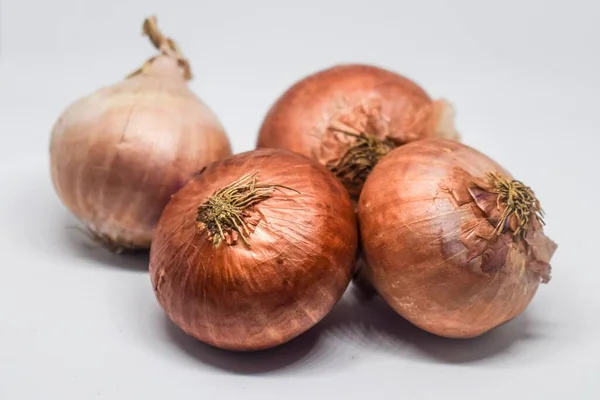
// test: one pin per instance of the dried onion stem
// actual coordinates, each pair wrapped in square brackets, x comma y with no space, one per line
[226,212]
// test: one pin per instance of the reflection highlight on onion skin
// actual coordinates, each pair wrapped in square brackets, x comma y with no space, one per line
[356,324]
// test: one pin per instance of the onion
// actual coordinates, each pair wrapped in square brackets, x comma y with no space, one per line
[254,250]
[452,242]
[349,116]
[118,154]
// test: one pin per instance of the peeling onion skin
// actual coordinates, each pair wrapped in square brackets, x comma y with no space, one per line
[356,98]
[118,154]
[429,247]
[297,267]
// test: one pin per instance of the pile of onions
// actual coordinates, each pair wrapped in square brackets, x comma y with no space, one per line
[250,251]
[118,154]
[452,242]
[349,116]
[254,250]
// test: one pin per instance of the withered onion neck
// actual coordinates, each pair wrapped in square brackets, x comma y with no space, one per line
[359,159]
[167,47]
[519,202]
[226,213]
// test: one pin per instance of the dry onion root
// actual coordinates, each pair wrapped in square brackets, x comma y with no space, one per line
[349,116]
[255,250]
[118,154]
[452,242]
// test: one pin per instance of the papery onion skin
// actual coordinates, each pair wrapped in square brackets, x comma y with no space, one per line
[430,247]
[309,117]
[297,267]
[118,154]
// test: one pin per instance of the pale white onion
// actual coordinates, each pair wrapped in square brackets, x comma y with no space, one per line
[119,154]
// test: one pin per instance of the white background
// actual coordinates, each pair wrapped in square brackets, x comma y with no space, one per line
[78,323]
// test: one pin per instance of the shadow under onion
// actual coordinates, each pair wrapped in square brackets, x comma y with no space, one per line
[356,325]
[77,242]
[307,350]
[371,323]
[51,229]
[356,320]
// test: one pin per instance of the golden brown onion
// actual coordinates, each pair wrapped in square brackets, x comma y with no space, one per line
[254,250]
[118,154]
[349,116]
[451,241]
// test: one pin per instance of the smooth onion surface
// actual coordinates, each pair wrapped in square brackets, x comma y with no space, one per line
[297,265]
[119,154]
[427,215]
[315,115]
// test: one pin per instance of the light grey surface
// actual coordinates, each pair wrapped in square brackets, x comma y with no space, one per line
[77,323]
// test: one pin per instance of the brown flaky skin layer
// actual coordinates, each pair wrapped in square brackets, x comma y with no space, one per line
[118,154]
[297,266]
[427,232]
[354,98]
